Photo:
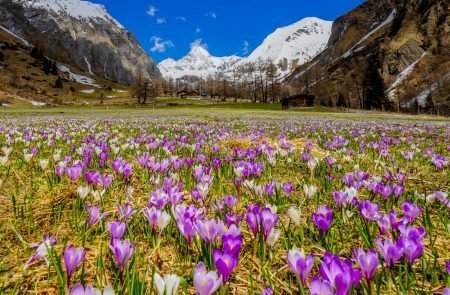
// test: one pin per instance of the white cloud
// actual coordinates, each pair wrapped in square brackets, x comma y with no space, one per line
[245,47]
[161,20]
[211,14]
[152,10]
[198,30]
[160,45]
[198,43]
[181,18]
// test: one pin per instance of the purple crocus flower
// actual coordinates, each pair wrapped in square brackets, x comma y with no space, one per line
[122,251]
[321,287]
[368,210]
[267,291]
[232,219]
[339,274]
[411,249]
[446,291]
[386,191]
[395,221]
[323,218]
[125,211]
[225,263]
[340,197]
[116,230]
[232,244]
[413,233]
[74,172]
[287,188]
[411,210]
[299,264]
[72,258]
[447,265]
[268,221]
[253,218]
[186,228]
[207,229]
[94,214]
[367,261]
[390,251]
[384,223]
[78,289]
[206,283]
[105,181]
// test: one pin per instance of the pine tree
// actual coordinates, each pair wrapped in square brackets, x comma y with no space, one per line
[429,104]
[54,69]
[341,101]
[46,66]
[59,83]
[373,84]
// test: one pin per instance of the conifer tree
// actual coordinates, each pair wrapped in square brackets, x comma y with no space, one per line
[373,84]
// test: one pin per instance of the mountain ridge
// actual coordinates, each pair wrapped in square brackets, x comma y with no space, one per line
[81,34]
[286,47]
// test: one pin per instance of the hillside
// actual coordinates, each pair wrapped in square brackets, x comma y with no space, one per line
[81,34]
[24,81]
[406,41]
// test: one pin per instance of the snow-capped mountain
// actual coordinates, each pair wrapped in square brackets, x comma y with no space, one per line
[80,34]
[291,46]
[198,62]
[82,10]
[287,48]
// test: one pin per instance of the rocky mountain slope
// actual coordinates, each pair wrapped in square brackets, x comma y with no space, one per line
[81,34]
[31,79]
[407,40]
[287,48]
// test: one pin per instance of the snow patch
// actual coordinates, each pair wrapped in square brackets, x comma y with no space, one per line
[16,36]
[38,103]
[78,78]
[388,20]
[88,65]
[401,77]
[74,8]
[422,97]
[89,91]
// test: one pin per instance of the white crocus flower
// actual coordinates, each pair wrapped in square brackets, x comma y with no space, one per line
[351,192]
[163,221]
[272,208]
[27,157]
[167,286]
[83,192]
[43,164]
[273,237]
[295,214]
[7,151]
[312,164]
[309,190]
[3,160]
[56,157]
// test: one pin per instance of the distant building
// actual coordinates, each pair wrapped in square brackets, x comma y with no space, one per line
[297,101]
[191,94]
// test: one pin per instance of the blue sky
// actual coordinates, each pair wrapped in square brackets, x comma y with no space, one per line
[166,28]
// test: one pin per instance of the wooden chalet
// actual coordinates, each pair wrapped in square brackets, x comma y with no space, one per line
[185,94]
[297,101]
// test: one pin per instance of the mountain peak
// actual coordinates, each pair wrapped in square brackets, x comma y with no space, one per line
[78,9]
[199,51]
